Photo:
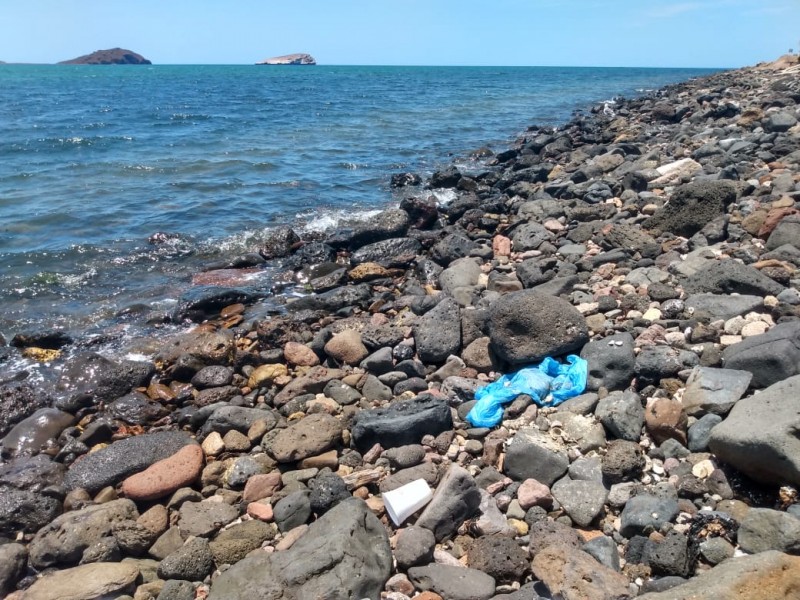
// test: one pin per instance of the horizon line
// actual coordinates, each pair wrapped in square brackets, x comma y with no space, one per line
[489,66]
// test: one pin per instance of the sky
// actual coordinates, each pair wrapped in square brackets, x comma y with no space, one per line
[635,33]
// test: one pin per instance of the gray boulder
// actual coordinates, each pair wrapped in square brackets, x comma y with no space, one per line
[714,391]
[532,454]
[114,463]
[64,540]
[437,333]
[692,206]
[525,327]
[453,583]
[658,362]
[456,499]
[770,357]
[732,277]
[645,513]
[611,362]
[191,562]
[414,547]
[780,121]
[203,519]
[765,529]
[622,414]
[86,582]
[343,556]
[461,273]
[759,436]
[401,423]
[582,500]
[13,558]
[312,435]
[786,232]
[237,418]
[530,236]
[722,306]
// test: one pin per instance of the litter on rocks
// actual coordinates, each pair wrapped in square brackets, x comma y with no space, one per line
[549,383]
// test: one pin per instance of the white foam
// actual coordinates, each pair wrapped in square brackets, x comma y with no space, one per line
[444,196]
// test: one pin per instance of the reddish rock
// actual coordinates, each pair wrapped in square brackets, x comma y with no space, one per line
[665,419]
[347,347]
[261,511]
[501,245]
[300,355]
[774,216]
[534,493]
[164,477]
[571,573]
[261,486]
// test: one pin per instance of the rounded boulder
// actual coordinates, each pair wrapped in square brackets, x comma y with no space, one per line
[526,326]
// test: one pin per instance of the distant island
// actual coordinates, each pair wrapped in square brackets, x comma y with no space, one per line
[289,59]
[113,56]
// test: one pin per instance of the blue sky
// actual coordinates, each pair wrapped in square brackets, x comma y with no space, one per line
[699,33]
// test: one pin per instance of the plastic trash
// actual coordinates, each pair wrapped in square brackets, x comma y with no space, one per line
[549,383]
[406,500]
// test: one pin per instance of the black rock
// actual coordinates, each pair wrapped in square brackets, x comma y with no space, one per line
[611,362]
[334,300]
[388,224]
[525,327]
[213,376]
[422,211]
[41,339]
[136,409]
[499,556]
[692,206]
[292,510]
[200,302]
[18,401]
[451,248]
[447,178]
[346,552]
[327,490]
[455,500]
[395,252]
[438,332]
[114,463]
[34,474]
[674,555]
[405,179]
[732,277]
[22,510]
[771,357]
[279,243]
[315,253]
[401,423]
[90,378]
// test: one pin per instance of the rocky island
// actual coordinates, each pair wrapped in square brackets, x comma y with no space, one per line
[289,59]
[112,56]
[656,237]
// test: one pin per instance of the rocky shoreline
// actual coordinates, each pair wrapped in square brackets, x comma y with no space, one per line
[657,237]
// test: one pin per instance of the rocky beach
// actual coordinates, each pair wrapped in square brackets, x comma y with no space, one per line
[657,238]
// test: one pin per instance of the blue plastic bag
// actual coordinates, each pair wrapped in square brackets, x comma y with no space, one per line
[560,381]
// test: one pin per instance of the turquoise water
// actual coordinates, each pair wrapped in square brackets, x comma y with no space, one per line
[94,160]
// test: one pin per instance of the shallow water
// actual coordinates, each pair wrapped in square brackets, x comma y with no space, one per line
[93,160]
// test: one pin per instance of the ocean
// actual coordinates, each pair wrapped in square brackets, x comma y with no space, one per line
[96,159]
